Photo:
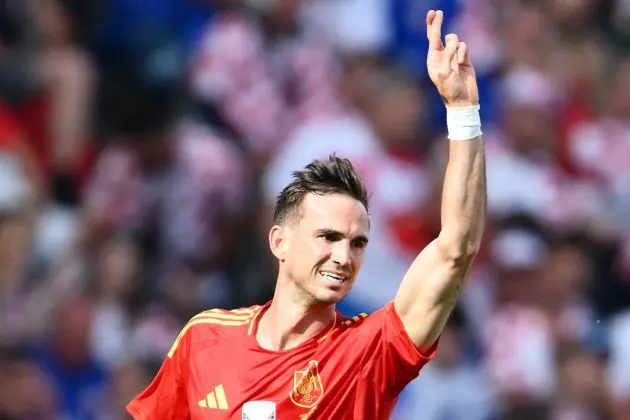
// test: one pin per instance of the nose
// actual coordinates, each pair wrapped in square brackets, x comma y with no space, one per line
[342,254]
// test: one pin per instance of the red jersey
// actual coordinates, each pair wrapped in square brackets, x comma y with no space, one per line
[354,369]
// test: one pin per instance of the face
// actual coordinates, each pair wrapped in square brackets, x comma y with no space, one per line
[565,274]
[15,242]
[322,252]
[72,325]
[450,348]
[619,102]
[581,377]
[116,268]
[128,381]
[155,152]
[572,13]
[530,128]
[284,13]
[397,114]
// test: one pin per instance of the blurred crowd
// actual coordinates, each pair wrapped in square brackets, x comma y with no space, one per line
[142,144]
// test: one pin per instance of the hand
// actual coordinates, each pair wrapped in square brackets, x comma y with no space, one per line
[450,67]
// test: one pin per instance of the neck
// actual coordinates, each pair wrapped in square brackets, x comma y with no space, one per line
[291,321]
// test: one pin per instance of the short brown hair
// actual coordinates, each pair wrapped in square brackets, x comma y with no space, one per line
[323,177]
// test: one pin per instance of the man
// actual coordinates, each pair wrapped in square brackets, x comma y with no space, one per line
[296,357]
[177,186]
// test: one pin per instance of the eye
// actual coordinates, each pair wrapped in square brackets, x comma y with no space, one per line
[329,236]
[359,244]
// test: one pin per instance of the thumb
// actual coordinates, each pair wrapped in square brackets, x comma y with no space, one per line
[452,44]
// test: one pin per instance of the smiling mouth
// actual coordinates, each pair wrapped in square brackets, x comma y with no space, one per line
[335,278]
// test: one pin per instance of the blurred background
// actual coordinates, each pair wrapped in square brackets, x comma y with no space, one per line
[142,143]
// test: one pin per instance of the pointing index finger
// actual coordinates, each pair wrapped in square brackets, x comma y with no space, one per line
[434,29]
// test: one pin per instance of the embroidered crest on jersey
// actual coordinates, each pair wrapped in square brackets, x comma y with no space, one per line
[307,386]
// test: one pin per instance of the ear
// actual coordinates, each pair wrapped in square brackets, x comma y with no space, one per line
[279,242]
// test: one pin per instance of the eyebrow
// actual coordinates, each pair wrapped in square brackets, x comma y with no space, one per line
[329,231]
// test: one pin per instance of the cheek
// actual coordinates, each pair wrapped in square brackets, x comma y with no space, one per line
[358,258]
[321,249]
[309,254]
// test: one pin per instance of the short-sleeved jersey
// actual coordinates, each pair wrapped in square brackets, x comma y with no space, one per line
[354,369]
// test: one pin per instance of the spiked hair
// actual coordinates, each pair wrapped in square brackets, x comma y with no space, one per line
[322,177]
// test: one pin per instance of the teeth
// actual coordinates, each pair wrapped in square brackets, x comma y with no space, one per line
[332,277]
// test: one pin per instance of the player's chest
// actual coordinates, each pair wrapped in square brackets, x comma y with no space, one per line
[251,385]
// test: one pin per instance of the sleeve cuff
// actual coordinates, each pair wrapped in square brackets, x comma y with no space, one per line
[134,411]
[419,356]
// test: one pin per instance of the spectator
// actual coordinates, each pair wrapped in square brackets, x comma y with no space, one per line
[67,360]
[54,100]
[168,221]
[451,387]
[261,77]
[178,186]
[581,391]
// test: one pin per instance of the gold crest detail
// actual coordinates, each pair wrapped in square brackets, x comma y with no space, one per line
[307,386]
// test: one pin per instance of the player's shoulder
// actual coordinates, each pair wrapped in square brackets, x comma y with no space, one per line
[212,324]
[219,318]
[364,319]
[352,322]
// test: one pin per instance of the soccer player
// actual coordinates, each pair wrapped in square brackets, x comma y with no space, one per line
[296,357]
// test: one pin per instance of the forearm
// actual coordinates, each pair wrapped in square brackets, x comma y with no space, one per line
[432,284]
[463,200]
[434,281]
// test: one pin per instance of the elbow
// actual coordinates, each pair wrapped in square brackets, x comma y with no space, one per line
[459,251]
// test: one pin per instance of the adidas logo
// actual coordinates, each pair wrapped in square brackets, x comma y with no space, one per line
[215,399]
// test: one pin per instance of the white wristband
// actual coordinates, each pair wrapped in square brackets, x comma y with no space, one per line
[463,123]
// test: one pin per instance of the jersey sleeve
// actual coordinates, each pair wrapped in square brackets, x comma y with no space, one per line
[388,356]
[166,397]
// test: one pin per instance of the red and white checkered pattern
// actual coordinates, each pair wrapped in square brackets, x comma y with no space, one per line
[601,150]
[207,180]
[263,87]
[520,352]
